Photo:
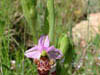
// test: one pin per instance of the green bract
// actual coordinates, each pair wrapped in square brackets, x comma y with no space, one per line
[64,44]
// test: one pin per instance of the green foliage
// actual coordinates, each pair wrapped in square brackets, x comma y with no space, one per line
[42,15]
[29,12]
[66,46]
[51,19]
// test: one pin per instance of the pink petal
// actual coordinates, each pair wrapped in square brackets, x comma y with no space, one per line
[32,49]
[33,54]
[50,48]
[55,54]
[41,41]
[46,42]
[40,48]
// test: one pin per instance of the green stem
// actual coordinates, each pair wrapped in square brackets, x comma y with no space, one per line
[51,19]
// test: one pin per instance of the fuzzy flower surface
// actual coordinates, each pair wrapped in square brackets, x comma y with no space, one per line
[43,48]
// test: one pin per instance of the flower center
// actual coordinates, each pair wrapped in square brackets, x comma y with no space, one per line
[44,53]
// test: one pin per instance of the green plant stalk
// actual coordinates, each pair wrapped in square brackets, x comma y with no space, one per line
[51,19]
[29,12]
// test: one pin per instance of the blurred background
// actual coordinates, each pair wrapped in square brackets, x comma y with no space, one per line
[22,22]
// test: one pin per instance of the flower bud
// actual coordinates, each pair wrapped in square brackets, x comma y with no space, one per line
[64,44]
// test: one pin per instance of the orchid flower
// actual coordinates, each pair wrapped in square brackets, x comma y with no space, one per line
[43,48]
